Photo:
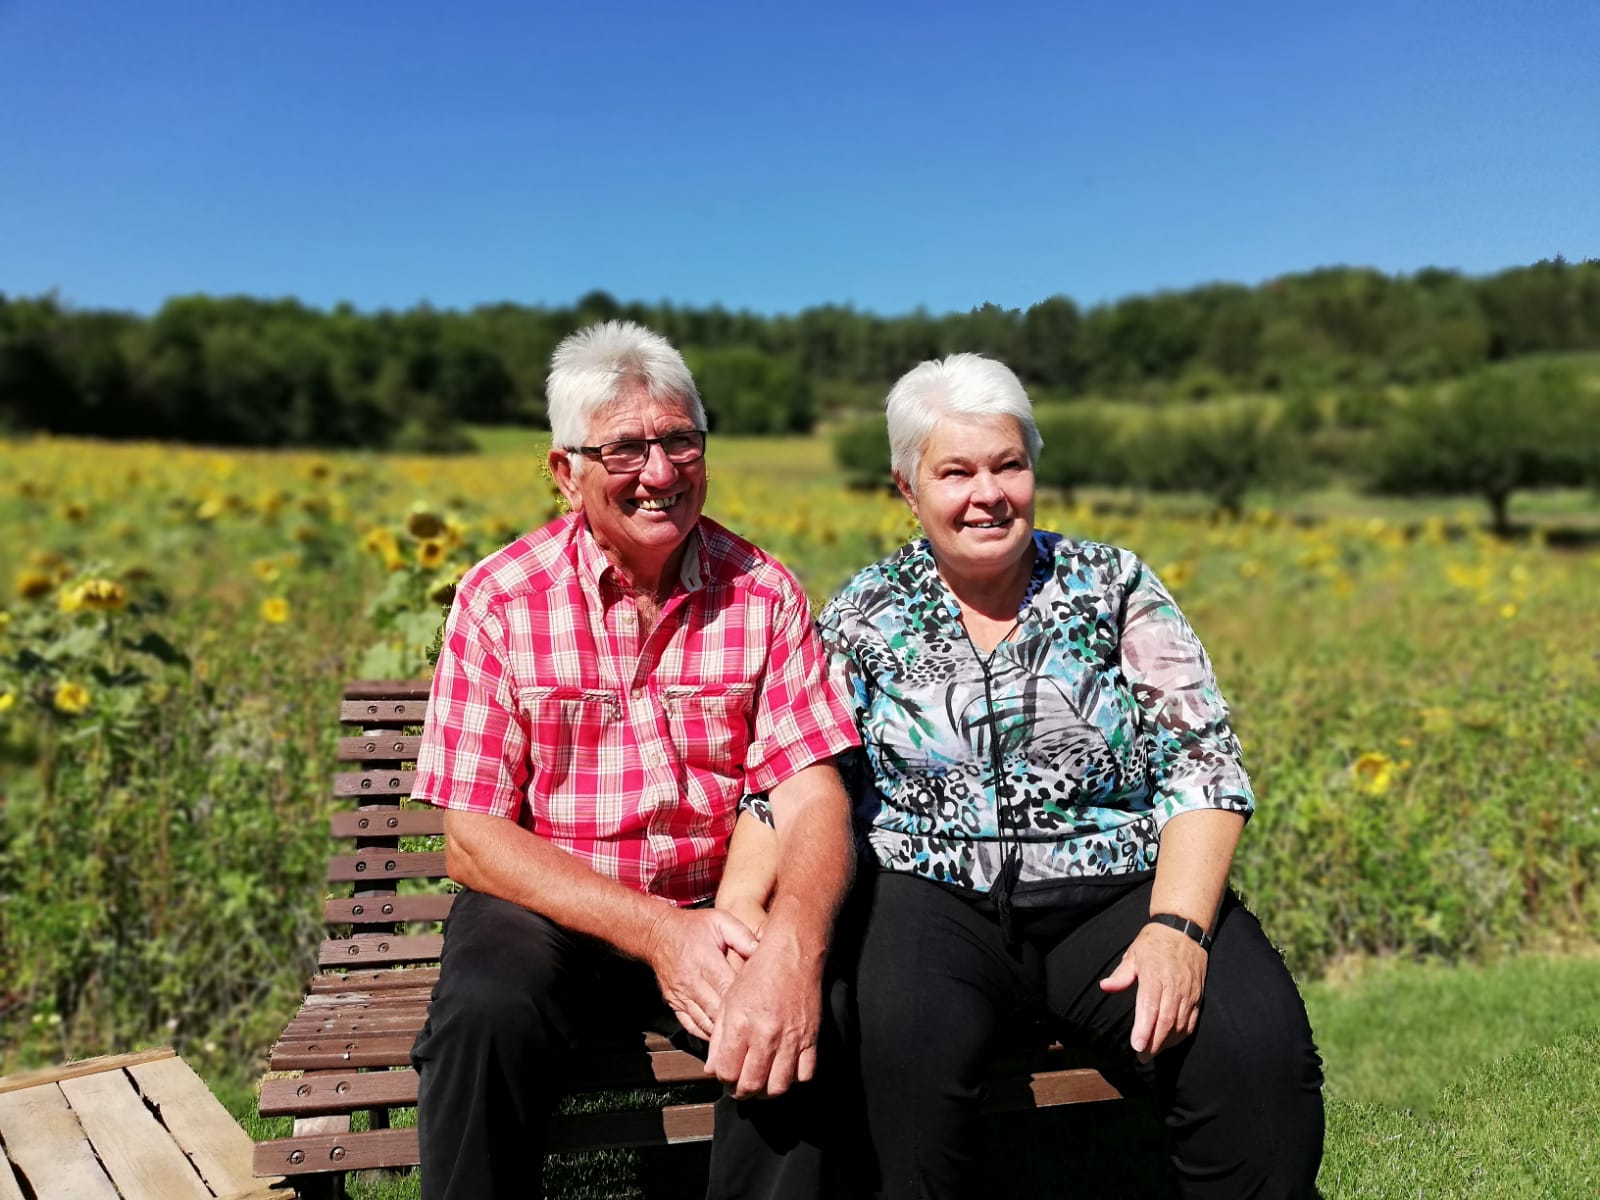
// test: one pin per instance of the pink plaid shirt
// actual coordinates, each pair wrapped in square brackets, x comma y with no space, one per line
[630,753]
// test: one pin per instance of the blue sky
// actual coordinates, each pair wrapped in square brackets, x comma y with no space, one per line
[774,157]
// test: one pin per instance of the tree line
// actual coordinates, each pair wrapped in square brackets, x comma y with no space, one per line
[237,370]
[1496,431]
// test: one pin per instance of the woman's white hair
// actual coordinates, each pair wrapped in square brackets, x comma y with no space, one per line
[967,385]
[592,367]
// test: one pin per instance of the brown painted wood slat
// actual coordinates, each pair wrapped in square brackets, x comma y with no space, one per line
[377,1020]
[141,1158]
[398,1147]
[336,1091]
[387,822]
[384,910]
[387,689]
[1042,1089]
[48,1146]
[214,1143]
[382,712]
[370,865]
[374,783]
[370,998]
[84,1066]
[342,1053]
[366,949]
[387,747]
[375,981]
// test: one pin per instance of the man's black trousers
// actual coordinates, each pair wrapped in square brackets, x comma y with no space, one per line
[516,992]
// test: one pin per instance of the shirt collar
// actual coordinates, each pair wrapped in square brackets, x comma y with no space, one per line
[594,565]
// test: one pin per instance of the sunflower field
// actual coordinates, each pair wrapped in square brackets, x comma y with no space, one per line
[1417,702]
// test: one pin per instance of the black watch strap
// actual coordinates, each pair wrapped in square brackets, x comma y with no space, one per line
[1192,930]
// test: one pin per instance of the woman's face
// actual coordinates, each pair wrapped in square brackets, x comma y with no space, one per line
[974,494]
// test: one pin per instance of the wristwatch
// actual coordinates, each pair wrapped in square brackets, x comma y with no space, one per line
[1192,930]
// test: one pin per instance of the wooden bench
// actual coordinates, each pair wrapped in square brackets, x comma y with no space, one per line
[349,1044]
[130,1127]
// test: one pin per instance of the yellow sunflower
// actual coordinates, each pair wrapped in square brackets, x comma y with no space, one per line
[274,610]
[72,698]
[431,553]
[31,585]
[1374,771]
[95,595]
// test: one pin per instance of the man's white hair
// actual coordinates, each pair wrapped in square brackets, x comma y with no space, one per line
[968,385]
[594,366]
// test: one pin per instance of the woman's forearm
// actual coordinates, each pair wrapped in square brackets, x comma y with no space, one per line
[1192,868]
[751,870]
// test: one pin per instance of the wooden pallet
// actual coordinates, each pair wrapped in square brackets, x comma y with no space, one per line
[128,1127]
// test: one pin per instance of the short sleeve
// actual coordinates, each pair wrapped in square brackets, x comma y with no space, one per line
[799,719]
[1194,757]
[843,632]
[474,752]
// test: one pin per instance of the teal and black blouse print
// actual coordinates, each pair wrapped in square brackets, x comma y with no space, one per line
[1097,722]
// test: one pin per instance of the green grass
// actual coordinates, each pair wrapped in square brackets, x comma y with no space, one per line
[1399,1035]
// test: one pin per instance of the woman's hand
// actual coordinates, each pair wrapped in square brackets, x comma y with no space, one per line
[750,913]
[1169,971]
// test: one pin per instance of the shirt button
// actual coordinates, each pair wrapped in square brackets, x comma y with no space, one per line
[637,693]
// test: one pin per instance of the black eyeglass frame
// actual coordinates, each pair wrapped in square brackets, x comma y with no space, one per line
[602,450]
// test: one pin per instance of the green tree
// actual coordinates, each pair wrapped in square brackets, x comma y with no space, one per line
[1083,447]
[1219,454]
[1497,432]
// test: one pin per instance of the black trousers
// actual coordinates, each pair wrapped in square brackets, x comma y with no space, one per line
[516,992]
[934,986]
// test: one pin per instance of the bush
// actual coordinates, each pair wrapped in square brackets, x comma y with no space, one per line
[1083,447]
[861,449]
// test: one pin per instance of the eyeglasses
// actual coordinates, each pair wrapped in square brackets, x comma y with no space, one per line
[630,454]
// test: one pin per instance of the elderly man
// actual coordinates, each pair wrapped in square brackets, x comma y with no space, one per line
[609,687]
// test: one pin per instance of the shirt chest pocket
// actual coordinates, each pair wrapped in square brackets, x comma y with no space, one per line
[569,729]
[710,725]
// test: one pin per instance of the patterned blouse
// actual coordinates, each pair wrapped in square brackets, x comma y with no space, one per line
[1100,716]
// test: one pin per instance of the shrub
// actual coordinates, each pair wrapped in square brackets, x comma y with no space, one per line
[861,449]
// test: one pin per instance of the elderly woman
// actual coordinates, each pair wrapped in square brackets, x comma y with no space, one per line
[1050,794]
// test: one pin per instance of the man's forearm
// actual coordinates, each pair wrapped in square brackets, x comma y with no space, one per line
[502,859]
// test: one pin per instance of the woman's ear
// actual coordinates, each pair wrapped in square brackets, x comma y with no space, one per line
[906,492]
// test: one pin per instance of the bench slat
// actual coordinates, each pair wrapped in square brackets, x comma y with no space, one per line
[368,910]
[375,981]
[385,864]
[387,821]
[386,747]
[398,1147]
[382,712]
[338,1091]
[374,783]
[367,949]
[387,689]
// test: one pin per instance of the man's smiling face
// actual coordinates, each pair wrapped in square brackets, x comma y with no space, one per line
[640,519]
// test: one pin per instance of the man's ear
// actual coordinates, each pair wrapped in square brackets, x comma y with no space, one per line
[561,469]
